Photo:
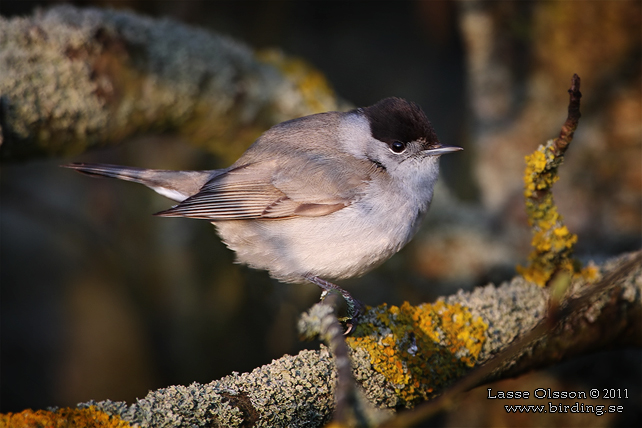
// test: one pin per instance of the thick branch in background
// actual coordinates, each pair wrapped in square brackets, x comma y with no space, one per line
[72,78]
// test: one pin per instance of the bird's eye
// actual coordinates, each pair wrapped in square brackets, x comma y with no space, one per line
[398,146]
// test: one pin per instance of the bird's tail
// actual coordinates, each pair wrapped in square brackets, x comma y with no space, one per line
[175,185]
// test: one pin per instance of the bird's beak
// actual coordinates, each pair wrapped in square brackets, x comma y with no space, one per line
[442,150]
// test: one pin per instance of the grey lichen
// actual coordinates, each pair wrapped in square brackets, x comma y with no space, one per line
[72,78]
[509,310]
[293,391]
[40,102]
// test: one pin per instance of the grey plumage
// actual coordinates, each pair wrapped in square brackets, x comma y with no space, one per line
[175,185]
[329,195]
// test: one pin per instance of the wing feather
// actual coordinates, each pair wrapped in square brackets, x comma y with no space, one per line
[270,190]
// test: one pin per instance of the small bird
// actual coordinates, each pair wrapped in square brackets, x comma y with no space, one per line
[326,196]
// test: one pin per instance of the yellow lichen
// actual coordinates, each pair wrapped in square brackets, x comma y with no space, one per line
[421,349]
[552,242]
[66,417]
[311,83]
[591,273]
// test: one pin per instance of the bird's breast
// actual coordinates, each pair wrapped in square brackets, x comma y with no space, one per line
[346,243]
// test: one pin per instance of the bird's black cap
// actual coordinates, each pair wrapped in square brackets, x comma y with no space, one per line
[395,119]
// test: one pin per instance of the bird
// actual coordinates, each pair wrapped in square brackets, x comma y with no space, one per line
[315,199]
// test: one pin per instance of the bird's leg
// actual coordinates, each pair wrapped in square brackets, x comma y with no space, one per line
[355,307]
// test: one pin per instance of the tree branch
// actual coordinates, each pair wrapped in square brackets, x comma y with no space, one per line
[76,78]
[299,390]
[561,315]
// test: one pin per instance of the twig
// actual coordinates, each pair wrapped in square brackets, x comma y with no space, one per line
[570,125]
[321,321]
[552,241]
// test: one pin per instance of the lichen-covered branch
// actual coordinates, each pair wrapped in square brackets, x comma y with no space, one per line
[563,312]
[396,365]
[552,241]
[75,78]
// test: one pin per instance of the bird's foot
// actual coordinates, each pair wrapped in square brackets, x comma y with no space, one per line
[355,307]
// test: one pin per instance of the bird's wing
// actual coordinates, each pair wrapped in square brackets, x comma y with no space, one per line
[277,189]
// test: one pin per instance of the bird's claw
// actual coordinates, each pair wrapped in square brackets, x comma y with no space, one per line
[355,310]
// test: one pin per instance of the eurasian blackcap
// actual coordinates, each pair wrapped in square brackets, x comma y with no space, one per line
[331,195]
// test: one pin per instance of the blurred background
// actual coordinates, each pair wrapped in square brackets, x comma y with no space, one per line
[100,300]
